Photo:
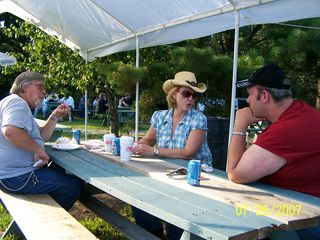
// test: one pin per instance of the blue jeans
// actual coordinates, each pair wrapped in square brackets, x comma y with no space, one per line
[64,189]
[312,233]
[156,225]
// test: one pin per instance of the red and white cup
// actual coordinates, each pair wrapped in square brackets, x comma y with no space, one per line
[107,138]
[126,144]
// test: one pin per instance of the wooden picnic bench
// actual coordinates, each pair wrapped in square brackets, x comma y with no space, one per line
[218,209]
[39,217]
[125,114]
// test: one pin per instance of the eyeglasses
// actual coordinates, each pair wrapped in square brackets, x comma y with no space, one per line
[178,172]
[187,94]
[40,86]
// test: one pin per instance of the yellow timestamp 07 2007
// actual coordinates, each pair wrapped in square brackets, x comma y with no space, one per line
[275,209]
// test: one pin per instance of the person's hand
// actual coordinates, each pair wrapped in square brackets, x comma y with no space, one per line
[244,118]
[41,155]
[61,111]
[142,149]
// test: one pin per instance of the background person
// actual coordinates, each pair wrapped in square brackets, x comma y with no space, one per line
[82,105]
[22,144]
[287,153]
[126,100]
[44,108]
[179,132]
[101,104]
[69,101]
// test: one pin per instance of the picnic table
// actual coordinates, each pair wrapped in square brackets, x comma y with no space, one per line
[217,209]
[57,131]
[125,114]
[51,107]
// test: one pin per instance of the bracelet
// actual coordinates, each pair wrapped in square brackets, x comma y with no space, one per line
[156,150]
[239,133]
[54,117]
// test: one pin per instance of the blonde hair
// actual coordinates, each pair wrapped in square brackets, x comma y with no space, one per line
[25,79]
[172,102]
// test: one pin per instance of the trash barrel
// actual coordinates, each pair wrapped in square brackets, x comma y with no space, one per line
[218,134]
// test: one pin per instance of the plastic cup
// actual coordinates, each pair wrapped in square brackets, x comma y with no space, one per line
[107,138]
[126,144]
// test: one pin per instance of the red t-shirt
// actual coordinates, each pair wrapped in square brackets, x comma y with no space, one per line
[295,136]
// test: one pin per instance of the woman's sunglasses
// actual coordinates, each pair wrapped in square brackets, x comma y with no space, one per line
[187,94]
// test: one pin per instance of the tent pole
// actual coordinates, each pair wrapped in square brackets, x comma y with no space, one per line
[85,113]
[137,93]
[86,107]
[234,73]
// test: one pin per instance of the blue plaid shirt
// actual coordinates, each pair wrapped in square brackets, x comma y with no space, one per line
[192,120]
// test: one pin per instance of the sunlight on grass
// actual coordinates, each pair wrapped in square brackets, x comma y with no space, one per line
[101,229]
[95,129]
[5,218]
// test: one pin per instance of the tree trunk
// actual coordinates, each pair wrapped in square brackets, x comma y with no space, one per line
[113,111]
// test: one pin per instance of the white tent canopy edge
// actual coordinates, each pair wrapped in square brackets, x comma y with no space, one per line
[99,28]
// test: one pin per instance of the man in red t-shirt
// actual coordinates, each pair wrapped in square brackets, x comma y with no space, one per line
[287,153]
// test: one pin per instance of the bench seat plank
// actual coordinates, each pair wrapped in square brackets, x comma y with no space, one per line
[40,217]
[131,230]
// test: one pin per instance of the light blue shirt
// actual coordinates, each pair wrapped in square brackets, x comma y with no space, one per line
[15,161]
[192,120]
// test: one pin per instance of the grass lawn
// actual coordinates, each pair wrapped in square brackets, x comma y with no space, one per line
[95,129]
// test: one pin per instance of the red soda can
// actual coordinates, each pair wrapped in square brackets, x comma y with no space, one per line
[194,172]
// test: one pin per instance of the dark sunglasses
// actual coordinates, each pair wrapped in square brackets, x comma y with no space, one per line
[187,94]
[177,172]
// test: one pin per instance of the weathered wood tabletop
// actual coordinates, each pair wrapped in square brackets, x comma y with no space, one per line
[218,209]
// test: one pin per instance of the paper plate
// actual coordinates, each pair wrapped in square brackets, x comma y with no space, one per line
[66,146]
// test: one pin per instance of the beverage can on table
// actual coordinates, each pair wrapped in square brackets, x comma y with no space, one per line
[194,172]
[116,146]
[76,135]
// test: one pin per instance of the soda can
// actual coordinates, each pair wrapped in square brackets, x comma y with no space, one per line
[116,146]
[76,135]
[194,172]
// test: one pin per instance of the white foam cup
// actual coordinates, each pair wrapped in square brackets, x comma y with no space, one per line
[107,138]
[126,144]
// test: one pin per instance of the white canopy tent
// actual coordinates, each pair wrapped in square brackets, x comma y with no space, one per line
[98,28]
[7,60]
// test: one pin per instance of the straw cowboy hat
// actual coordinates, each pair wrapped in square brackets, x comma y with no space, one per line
[184,79]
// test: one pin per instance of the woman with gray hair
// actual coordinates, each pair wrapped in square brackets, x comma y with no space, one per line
[22,155]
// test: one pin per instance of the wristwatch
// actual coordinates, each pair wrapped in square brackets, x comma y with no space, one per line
[156,150]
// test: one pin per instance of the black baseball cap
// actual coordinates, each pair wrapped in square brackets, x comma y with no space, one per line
[270,75]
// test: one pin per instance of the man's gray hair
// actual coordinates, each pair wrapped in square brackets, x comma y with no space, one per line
[25,79]
[277,94]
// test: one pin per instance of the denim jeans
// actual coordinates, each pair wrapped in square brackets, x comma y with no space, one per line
[156,225]
[312,233]
[64,189]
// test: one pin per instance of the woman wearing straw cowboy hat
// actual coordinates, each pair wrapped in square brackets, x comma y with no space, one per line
[179,132]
